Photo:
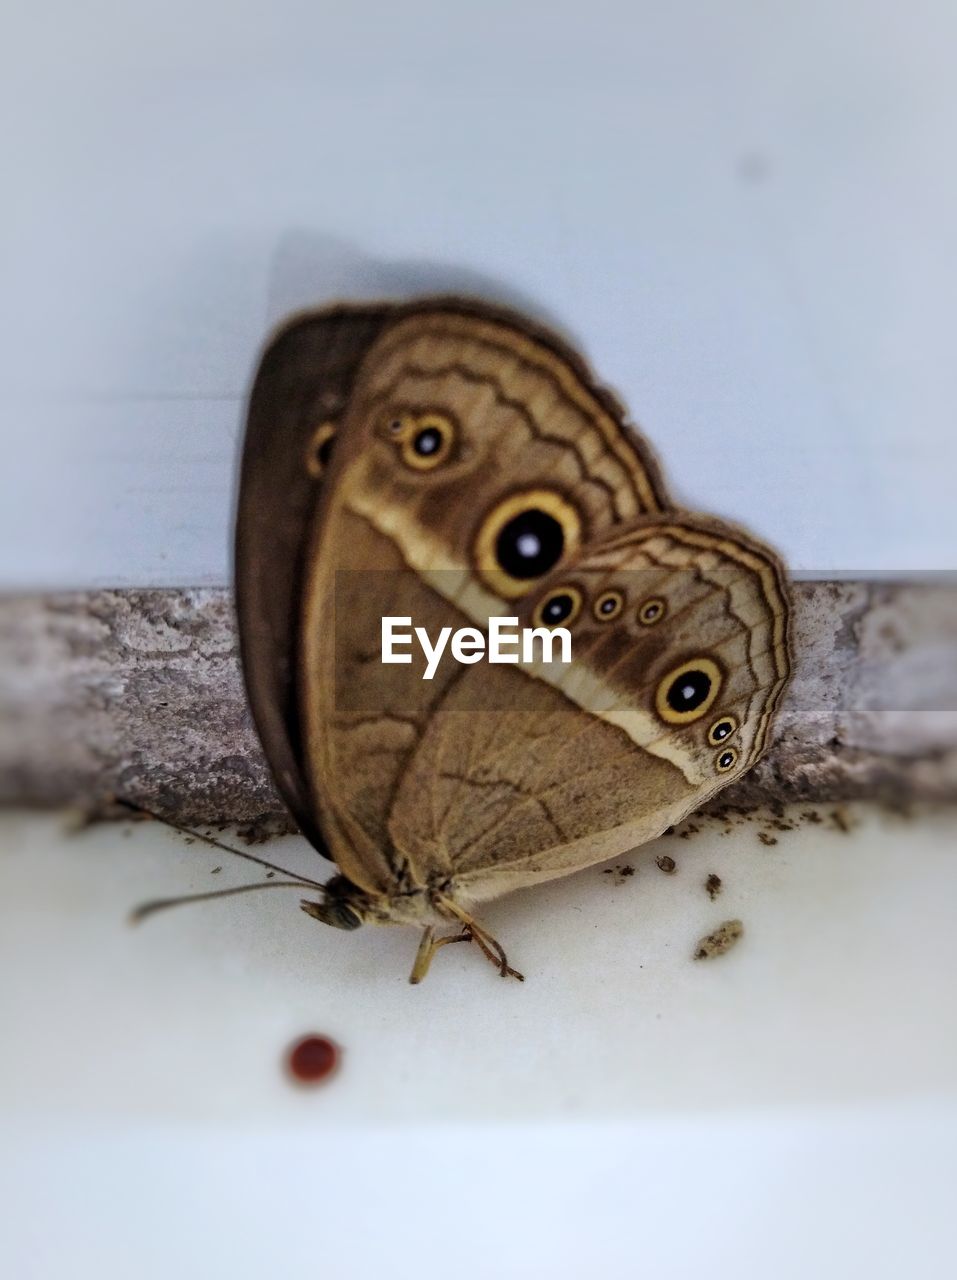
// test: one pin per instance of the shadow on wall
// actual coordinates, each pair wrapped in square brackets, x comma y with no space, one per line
[313,270]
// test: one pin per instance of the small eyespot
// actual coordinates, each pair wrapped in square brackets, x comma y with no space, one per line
[608,605]
[425,439]
[319,450]
[722,729]
[687,692]
[651,611]
[396,426]
[726,760]
[558,608]
[523,538]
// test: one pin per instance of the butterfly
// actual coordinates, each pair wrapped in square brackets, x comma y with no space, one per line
[448,462]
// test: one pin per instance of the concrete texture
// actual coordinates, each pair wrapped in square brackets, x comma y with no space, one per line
[139,693]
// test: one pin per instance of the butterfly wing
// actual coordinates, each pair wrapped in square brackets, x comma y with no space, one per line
[474,454]
[302,384]
[679,632]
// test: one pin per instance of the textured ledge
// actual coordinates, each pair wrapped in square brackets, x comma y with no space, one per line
[139,693]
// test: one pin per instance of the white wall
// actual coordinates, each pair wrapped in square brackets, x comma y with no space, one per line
[745,212]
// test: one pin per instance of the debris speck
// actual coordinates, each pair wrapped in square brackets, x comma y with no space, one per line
[215,871]
[621,873]
[713,886]
[721,940]
[766,838]
[840,820]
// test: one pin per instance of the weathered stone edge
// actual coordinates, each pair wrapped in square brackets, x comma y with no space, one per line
[139,692]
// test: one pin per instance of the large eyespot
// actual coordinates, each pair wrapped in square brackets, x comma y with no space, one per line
[525,537]
[651,611]
[722,729]
[319,449]
[608,605]
[726,760]
[559,608]
[425,439]
[686,693]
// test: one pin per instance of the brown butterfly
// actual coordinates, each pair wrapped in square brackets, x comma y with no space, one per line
[449,462]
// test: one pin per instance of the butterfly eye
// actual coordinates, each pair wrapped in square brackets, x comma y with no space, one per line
[608,605]
[426,439]
[686,693]
[726,760]
[651,611]
[722,729]
[523,538]
[558,608]
[319,450]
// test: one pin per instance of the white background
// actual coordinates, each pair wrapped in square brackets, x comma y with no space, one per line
[746,213]
[786,1111]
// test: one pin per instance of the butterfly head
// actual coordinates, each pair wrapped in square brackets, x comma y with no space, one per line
[341,905]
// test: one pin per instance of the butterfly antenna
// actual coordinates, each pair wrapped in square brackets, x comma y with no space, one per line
[161,904]
[303,881]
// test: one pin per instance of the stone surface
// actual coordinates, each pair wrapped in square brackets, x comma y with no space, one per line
[139,693]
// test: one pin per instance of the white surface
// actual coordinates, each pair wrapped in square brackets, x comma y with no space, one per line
[790,1105]
[731,1198]
[747,214]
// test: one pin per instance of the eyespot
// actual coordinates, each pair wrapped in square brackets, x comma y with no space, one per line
[722,729]
[559,608]
[652,611]
[608,605]
[726,760]
[687,692]
[425,439]
[397,425]
[319,449]
[525,537]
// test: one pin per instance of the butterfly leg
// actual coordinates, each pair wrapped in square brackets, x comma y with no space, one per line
[428,947]
[490,947]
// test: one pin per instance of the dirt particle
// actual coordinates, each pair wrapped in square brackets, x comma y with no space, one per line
[841,820]
[215,871]
[719,941]
[621,873]
[713,886]
[766,838]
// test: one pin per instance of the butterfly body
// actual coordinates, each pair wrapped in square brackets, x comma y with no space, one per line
[449,463]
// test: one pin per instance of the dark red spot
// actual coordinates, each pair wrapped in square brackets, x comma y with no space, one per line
[312,1059]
